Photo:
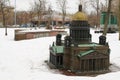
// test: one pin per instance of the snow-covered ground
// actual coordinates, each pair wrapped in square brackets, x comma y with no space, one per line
[25,59]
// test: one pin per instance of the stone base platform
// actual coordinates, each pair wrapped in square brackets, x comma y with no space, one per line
[21,34]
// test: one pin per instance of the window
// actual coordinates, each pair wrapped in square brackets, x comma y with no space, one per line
[59,60]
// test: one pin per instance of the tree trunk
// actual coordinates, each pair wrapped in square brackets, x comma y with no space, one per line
[97,24]
[3,19]
[119,19]
[107,18]
[63,19]
[62,6]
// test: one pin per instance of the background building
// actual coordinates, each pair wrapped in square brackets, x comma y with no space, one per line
[9,15]
[112,24]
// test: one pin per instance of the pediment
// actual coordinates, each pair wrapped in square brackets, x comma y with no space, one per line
[95,55]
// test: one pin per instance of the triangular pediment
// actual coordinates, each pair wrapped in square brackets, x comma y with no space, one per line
[93,54]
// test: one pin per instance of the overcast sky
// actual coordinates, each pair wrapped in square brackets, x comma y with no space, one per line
[21,4]
[26,4]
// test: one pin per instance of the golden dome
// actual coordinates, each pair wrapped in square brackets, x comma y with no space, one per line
[80,16]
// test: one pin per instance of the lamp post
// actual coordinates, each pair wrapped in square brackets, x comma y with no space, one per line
[15,14]
[5,22]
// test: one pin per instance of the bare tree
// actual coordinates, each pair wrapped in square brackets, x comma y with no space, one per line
[104,5]
[95,5]
[23,17]
[31,13]
[117,11]
[49,16]
[107,18]
[63,7]
[2,6]
[39,8]
[92,18]
[119,18]
[3,9]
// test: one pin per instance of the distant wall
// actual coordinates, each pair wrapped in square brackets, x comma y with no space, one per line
[21,35]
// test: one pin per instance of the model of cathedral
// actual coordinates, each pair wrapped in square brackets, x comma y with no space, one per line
[76,52]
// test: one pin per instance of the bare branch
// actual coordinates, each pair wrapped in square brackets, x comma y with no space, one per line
[63,6]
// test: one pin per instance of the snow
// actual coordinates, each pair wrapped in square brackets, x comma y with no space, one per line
[39,30]
[35,30]
[25,59]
